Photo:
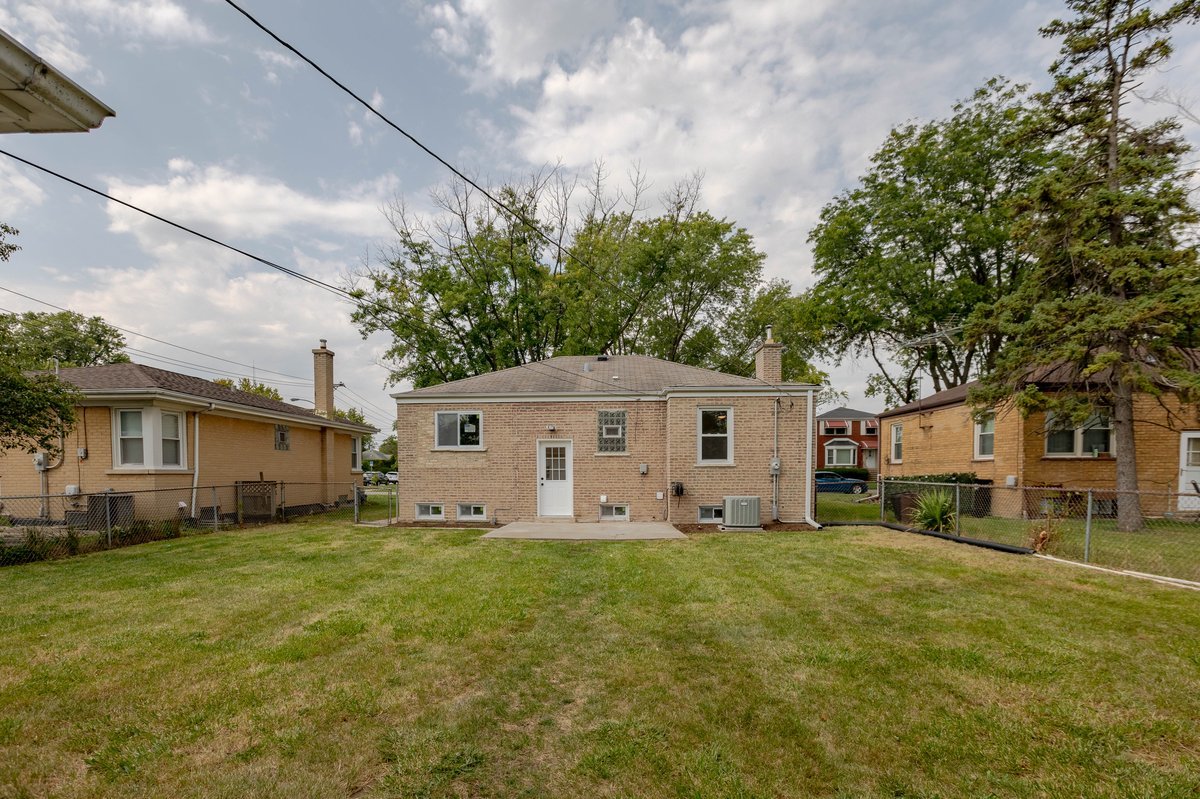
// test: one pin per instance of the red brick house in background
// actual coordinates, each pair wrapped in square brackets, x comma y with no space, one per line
[848,438]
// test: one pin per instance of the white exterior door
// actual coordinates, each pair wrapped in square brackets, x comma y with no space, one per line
[1189,470]
[556,482]
[871,459]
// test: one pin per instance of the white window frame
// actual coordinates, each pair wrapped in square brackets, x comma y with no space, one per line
[458,426]
[355,454]
[624,517]
[846,429]
[1078,432]
[831,462]
[181,428]
[979,434]
[894,440]
[429,516]
[700,436]
[716,514]
[469,516]
[152,440]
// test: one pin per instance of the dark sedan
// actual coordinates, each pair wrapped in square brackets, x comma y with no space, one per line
[835,483]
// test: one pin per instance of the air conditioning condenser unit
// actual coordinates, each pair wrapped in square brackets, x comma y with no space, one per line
[742,512]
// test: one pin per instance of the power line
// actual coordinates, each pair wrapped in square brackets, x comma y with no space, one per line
[152,338]
[530,224]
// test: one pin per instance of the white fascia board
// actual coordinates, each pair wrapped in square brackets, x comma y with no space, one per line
[403,398]
[109,396]
[40,99]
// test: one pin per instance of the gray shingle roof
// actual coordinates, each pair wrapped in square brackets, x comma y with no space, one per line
[846,413]
[565,375]
[134,376]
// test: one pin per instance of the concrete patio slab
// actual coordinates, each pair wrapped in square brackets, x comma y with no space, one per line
[587,531]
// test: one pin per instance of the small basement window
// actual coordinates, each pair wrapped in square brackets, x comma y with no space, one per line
[468,510]
[615,512]
[712,514]
[283,437]
[431,511]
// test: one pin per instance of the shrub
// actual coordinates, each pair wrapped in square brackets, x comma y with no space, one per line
[934,511]
[856,472]
[966,478]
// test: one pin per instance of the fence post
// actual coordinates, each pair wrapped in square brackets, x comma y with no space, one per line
[882,512]
[216,515]
[354,489]
[957,508]
[1087,530]
[108,517]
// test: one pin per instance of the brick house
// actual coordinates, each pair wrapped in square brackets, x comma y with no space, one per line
[846,437]
[939,434]
[620,437]
[141,428]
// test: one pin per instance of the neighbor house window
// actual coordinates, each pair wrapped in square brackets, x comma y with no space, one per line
[714,435]
[355,453]
[610,431]
[132,445]
[870,427]
[712,514]
[459,429]
[616,512]
[836,428]
[172,439]
[1092,438]
[841,456]
[985,437]
[283,437]
[430,511]
[897,443]
[471,511]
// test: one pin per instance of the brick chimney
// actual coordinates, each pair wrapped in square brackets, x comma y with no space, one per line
[768,360]
[323,380]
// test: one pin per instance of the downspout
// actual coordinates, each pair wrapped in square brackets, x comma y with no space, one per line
[45,469]
[810,438]
[774,471]
[196,454]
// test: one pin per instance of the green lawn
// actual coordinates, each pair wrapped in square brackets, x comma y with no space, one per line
[316,659]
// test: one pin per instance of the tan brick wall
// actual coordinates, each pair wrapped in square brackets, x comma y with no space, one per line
[504,475]
[942,440]
[231,449]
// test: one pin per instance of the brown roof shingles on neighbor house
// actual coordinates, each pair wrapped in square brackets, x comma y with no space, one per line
[131,377]
[950,396]
[566,374]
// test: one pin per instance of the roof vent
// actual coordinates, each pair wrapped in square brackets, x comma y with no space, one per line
[587,366]
[601,357]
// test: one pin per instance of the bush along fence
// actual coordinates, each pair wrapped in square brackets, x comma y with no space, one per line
[42,527]
[1073,524]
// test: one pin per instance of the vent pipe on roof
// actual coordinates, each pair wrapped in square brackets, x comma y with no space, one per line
[601,357]
[587,366]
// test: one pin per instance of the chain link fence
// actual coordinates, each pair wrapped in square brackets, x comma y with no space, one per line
[43,527]
[1073,524]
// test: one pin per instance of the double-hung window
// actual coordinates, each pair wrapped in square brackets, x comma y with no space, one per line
[355,453]
[985,437]
[459,430]
[714,434]
[132,448]
[1091,439]
[149,438]
[897,443]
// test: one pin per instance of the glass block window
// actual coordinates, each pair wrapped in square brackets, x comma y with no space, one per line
[610,431]
[283,437]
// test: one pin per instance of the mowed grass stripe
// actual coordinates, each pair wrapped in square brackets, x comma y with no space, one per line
[319,659]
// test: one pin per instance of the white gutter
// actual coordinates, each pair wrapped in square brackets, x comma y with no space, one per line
[42,99]
[812,439]
[196,456]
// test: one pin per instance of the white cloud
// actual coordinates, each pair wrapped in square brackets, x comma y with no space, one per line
[17,192]
[49,27]
[515,38]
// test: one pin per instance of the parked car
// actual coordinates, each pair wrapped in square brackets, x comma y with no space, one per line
[839,484]
[393,477]
[373,478]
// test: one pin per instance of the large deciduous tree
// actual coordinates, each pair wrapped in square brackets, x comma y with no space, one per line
[922,241]
[250,387]
[1114,297]
[475,289]
[37,340]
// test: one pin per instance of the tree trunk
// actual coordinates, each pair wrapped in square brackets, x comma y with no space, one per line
[1129,506]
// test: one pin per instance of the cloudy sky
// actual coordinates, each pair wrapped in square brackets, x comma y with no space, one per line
[778,102]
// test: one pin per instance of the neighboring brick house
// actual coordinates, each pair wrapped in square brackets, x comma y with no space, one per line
[144,428]
[938,434]
[606,438]
[848,438]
